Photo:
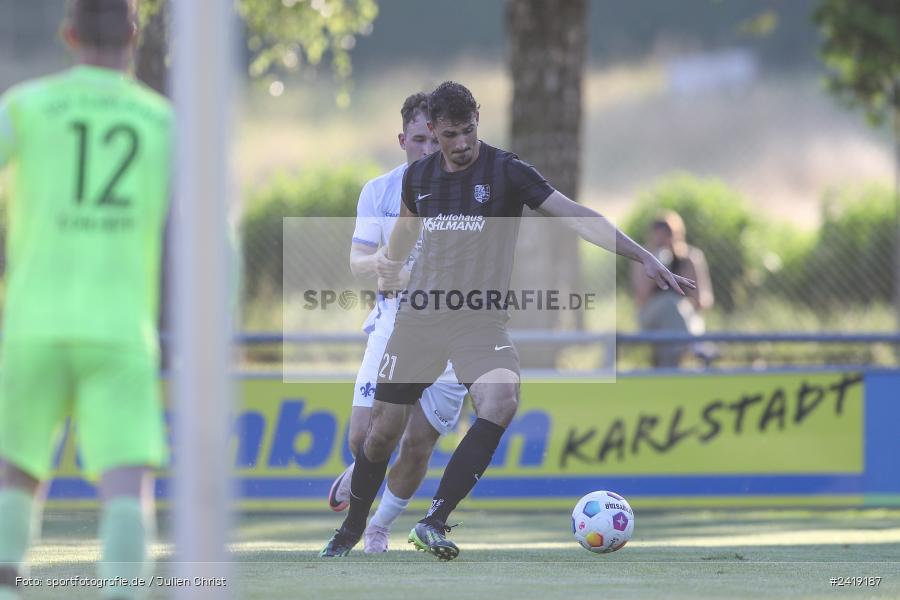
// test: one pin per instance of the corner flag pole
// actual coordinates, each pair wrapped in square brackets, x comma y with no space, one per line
[201,84]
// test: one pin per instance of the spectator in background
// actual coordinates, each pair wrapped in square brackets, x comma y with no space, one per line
[665,310]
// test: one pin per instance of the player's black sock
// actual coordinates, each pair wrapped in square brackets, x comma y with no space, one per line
[466,467]
[367,478]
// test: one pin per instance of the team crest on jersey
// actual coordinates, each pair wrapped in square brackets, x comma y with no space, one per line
[482,192]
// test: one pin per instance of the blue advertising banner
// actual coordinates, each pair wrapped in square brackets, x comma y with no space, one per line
[805,439]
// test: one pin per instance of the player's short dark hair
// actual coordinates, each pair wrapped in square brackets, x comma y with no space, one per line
[103,24]
[414,105]
[452,102]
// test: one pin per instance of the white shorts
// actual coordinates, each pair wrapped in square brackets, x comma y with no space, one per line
[441,402]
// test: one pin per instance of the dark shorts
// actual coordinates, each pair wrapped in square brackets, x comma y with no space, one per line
[418,351]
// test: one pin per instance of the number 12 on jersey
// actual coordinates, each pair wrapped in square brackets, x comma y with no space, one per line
[119,131]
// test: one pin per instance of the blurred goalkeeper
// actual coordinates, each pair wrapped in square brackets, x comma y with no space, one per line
[89,153]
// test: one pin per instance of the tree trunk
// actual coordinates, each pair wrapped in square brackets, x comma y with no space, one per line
[151,67]
[547,49]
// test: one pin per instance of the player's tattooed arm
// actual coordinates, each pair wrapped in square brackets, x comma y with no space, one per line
[598,230]
[403,238]
[364,258]
[392,280]
[367,261]
[592,226]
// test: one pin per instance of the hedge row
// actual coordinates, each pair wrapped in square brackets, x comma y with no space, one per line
[848,260]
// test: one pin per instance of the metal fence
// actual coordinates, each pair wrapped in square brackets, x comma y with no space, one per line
[733,351]
[838,275]
[785,294]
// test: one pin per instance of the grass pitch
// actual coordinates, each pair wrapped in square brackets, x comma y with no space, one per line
[532,556]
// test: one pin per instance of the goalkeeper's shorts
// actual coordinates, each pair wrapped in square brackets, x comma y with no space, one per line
[111,391]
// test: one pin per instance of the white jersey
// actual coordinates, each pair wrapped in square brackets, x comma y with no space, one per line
[376,215]
[378,208]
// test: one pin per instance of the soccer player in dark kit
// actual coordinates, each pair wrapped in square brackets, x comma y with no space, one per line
[468,199]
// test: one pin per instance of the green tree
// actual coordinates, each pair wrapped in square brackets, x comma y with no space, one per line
[291,34]
[282,36]
[150,63]
[861,47]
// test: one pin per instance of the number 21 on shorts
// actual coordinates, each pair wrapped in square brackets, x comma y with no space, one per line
[389,360]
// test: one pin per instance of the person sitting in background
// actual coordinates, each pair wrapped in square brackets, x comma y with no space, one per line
[665,310]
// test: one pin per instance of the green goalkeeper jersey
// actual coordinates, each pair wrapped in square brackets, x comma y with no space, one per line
[89,154]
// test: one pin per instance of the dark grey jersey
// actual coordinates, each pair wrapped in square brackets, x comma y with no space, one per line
[470,224]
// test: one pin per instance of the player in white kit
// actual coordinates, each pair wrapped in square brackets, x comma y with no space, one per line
[437,411]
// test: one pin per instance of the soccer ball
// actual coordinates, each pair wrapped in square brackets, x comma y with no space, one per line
[602,522]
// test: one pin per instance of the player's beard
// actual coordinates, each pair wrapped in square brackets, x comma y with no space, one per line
[463,158]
